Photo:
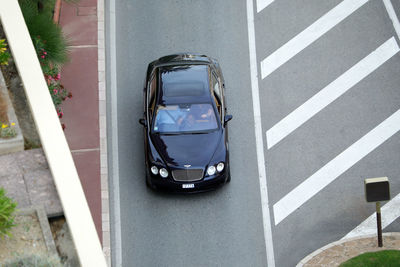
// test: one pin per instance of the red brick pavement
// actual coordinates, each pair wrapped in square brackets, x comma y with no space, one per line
[81,112]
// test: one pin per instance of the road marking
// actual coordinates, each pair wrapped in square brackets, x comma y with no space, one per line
[392,16]
[259,137]
[336,167]
[309,35]
[389,212]
[261,4]
[331,92]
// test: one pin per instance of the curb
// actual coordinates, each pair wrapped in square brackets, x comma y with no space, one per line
[101,68]
[44,224]
[306,259]
[16,143]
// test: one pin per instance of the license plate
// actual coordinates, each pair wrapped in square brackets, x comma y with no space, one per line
[188,186]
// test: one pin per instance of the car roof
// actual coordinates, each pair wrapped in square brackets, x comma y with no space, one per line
[184,83]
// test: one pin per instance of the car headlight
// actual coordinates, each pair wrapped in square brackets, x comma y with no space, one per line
[154,170]
[163,173]
[211,170]
[220,167]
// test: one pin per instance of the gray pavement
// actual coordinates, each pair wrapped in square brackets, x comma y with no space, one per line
[339,207]
[221,228]
[225,228]
[27,179]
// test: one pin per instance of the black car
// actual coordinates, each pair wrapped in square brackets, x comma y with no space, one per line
[185,124]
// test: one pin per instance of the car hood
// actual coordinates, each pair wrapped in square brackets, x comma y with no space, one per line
[187,149]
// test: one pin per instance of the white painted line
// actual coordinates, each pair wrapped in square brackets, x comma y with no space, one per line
[389,213]
[331,92]
[116,242]
[309,35]
[393,17]
[269,247]
[336,167]
[261,4]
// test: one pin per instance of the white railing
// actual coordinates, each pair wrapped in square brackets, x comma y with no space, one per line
[54,144]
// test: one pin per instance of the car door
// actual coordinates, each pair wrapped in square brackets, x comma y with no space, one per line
[150,92]
[217,92]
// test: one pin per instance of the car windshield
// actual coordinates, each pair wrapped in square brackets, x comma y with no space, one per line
[185,118]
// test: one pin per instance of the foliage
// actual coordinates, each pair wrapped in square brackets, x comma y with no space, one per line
[46,6]
[7,209]
[34,261]
[57,91]
[3,108]
[384,258]
[4,55]
[50,46]
[7,130]
[45,34]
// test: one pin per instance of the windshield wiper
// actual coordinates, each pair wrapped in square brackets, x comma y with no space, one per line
[197,132]
[169,133]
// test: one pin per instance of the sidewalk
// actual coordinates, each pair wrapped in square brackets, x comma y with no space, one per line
[27,179]
[81,113]
[84,113]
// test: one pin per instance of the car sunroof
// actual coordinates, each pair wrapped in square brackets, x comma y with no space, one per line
[183,89]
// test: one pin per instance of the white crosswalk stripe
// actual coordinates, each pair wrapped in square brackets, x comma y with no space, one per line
[261,4]
[341,163]
[393,16]
[389,213]
[309,35]
[331,92]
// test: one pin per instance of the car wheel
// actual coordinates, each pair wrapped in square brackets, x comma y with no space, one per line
[150,185]
[229,176]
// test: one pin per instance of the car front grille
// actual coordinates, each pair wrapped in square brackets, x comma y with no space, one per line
[188,175]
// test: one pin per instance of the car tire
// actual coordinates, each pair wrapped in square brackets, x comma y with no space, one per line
[229,176]
[150,185]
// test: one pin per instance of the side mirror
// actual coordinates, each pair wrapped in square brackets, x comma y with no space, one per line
[227,118]
[143,122]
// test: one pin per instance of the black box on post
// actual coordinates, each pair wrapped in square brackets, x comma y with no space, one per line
[377,189]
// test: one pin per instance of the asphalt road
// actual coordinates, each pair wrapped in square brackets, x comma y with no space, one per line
[225,227]
[221,228]
[312,149]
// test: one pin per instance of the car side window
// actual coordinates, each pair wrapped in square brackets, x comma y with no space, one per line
[152,95]
[216,92]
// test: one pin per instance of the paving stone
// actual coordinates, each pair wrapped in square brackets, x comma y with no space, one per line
[16,189]
[9,165]
[88,165]
[87,3]
[31,160]
[81,115]
[335,255]
[81,30]
[86,11]
[41,189]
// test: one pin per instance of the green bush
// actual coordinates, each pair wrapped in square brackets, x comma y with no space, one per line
[7,209]
[384,258]
[7,130]
[50,45]
[34,261]
[46,35]
[4,55]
